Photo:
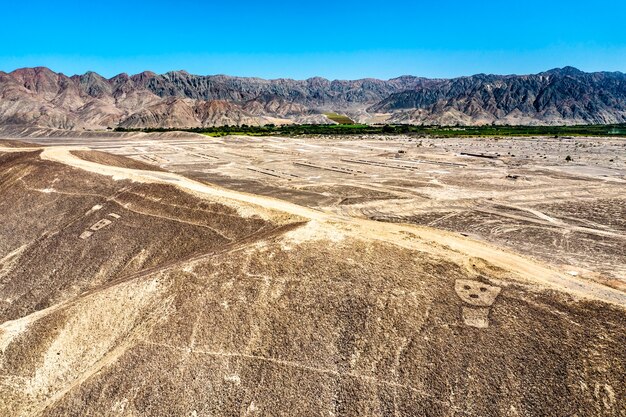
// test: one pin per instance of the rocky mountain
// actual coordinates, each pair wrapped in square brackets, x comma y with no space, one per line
[560,96]
[40,97]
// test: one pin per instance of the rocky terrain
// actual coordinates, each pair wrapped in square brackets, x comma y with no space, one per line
[560,96]
[132,291]
[42,98]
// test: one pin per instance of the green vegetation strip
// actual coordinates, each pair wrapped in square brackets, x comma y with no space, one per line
[427,131]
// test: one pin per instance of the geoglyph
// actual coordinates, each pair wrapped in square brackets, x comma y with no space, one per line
[480,297]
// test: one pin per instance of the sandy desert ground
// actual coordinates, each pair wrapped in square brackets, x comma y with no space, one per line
[312,276]
[527,198]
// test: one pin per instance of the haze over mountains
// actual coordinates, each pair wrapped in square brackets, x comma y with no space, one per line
[41,97]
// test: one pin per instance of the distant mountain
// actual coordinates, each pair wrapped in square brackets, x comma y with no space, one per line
[560,96]
[41,97]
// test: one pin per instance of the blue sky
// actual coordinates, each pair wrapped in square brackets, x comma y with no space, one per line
[345,39]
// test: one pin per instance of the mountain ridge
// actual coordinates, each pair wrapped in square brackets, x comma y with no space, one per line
[41,97]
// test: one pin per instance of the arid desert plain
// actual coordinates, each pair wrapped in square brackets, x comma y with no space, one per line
[180,274]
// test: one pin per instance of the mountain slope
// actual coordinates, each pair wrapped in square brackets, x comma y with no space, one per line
[40,97]
[566,96]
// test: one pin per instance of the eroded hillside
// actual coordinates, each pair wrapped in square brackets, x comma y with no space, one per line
[39,97]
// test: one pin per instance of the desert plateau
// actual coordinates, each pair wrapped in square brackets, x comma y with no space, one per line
[178,274]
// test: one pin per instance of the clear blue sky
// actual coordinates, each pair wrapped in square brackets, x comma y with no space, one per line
[337,39]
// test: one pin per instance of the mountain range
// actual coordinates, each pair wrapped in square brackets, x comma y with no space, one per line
[43,98]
